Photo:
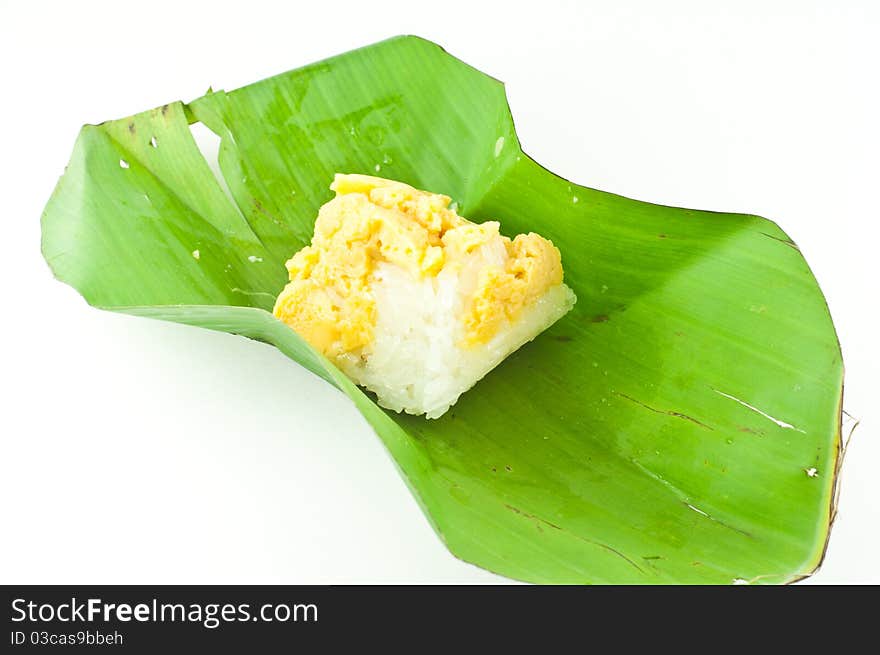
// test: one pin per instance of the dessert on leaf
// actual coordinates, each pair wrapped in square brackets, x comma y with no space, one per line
[412,301]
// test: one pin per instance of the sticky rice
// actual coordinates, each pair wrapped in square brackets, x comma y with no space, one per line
[412,301]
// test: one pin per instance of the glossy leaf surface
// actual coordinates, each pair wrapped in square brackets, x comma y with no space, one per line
[681,424]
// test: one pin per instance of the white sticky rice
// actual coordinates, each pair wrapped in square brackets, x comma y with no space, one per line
[417,361]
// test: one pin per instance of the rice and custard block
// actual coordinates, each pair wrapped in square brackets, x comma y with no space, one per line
[412,301]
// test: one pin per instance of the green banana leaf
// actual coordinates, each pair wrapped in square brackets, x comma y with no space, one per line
[680,425]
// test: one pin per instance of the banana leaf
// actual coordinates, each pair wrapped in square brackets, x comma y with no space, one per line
[680,425]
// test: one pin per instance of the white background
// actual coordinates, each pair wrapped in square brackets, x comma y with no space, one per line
[140,452]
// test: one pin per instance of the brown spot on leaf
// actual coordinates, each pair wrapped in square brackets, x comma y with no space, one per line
[787,241]
[517,510]
[599,318]
[259,207]
[668,412]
